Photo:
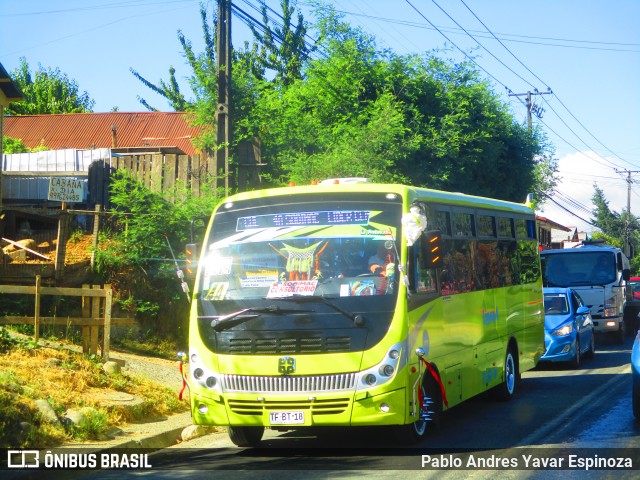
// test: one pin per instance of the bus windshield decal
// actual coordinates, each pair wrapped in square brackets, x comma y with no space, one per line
[304,219]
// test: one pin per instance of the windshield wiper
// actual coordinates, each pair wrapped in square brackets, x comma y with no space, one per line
[223,322]
[357,319]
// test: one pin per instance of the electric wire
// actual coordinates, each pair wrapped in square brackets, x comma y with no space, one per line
[550,90]
[457,47]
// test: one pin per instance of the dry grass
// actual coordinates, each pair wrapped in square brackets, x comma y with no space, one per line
[66,379]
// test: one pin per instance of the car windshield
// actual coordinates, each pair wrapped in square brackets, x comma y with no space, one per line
[555,304]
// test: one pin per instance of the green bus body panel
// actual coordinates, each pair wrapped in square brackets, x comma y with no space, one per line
[465,336]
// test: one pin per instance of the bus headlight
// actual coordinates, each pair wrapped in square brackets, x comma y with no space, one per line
[204,376]
[370,379]
[211,382]
[384,371]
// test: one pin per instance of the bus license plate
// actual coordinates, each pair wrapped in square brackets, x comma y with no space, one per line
[293,417]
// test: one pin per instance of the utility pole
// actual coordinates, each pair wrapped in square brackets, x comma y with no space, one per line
[531,107]
[627,246]
[223,112]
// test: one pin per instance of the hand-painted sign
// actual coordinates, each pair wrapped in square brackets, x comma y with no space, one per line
[66,190]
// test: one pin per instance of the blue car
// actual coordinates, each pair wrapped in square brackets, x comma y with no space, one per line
[568,327]
[635,373]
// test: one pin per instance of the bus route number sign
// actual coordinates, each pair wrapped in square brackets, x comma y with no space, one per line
[293,417]
[70,190]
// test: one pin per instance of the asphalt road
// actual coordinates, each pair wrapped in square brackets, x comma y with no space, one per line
[559,412]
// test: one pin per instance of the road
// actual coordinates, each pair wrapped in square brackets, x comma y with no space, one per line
[558,412]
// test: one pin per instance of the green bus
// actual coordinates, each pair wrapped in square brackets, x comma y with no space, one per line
[349,303]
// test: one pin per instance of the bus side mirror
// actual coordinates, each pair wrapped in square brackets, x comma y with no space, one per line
[191,250]
[433,248]
[626,274]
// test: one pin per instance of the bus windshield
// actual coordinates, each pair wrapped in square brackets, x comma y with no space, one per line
[586,268]
[268,252]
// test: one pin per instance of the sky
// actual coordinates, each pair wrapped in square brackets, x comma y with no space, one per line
[579,58]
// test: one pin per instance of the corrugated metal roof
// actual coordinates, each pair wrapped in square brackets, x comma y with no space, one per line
[94,130]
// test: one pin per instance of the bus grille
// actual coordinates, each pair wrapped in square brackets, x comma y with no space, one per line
[316,383]
[274,345]
[332,406]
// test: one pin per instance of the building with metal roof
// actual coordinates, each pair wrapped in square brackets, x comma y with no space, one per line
[124,132]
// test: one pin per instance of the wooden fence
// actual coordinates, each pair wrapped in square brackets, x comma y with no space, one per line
[170,175]
[96,313]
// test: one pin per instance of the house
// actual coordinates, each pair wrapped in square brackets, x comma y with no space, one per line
[122,132]
[549,232]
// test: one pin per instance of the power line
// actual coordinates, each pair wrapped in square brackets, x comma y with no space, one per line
[545,100]
[507,37]
[456,46]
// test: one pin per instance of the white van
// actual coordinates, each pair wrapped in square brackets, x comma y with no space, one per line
[599,273]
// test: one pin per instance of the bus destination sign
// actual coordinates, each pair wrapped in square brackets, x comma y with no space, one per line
[304,219]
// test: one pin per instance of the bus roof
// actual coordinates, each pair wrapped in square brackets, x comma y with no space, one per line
[410,194]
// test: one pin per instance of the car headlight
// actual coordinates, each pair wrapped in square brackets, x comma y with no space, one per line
[562,331]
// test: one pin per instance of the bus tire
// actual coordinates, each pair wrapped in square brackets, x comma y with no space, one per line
[510,376]
[245,436]
[417,431]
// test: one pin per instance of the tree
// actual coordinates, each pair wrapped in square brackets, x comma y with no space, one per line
[13,145]
[615,227]
[610,223]
[133,254]
[16,145]
[418,119]
[47,91]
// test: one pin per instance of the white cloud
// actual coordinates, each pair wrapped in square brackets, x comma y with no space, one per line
[578,172]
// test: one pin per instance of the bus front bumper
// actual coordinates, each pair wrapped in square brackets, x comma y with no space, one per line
[277,411]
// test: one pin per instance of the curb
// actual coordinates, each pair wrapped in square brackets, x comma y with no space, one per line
[152,435]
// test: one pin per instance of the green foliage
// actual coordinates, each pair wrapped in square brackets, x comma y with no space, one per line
[47,91]
[16,145]
[357,111]
[13,145]
[616,227]
[134,254]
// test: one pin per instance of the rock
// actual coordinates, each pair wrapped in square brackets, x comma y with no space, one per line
[25,426]
[79,417]
[54,362]
[195,431]
[119,399]
[111,368]
[47,411]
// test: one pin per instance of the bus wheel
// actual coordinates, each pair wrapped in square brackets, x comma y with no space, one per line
[429,416]
[507,388]
[245,436]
